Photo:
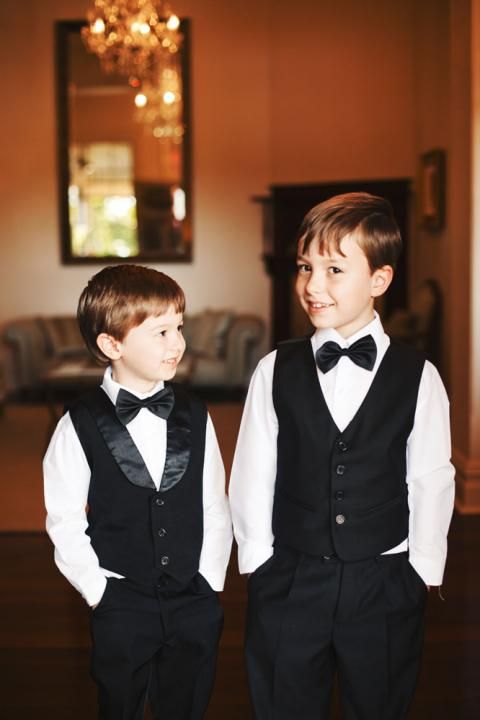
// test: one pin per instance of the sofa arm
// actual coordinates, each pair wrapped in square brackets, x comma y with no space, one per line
[243,349]
[24,342]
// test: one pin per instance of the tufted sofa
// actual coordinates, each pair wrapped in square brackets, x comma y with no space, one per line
[222,350]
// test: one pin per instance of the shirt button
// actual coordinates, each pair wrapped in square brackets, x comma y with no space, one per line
[340,519]
[340,469]
[343,447]
[339,495]
[164,560]
[159,502]
[162,532]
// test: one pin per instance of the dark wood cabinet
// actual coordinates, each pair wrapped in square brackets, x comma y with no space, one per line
[283,210]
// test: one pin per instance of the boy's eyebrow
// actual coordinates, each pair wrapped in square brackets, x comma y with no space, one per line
[329,258]
[165,323]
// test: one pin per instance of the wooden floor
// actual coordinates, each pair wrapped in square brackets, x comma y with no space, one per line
[44,652]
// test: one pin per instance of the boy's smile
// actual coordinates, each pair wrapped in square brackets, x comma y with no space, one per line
[337,291]
[149,352]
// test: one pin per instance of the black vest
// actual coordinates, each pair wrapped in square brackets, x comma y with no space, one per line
[136,531]
[342,492]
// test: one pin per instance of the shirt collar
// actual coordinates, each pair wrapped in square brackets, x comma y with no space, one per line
[112,388]
[373,328]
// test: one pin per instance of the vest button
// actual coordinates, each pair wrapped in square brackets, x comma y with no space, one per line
[340,519]
[340,469]
[162,532]
[339,495]
[164,560]
[159,502]
[343,447]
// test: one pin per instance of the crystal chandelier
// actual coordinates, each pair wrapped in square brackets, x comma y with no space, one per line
[131,37]
[159,103]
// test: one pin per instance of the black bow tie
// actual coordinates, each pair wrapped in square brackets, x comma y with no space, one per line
[128,406]
[362,353]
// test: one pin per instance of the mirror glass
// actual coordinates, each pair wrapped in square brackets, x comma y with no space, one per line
[124,168]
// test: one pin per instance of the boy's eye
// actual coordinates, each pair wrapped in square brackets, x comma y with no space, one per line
[334,270]
[303,268]
[180,328]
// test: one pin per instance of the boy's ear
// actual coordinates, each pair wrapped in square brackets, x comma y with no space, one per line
[109,346]
[381,279]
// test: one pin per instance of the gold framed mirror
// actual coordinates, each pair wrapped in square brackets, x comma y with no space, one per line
[125,191]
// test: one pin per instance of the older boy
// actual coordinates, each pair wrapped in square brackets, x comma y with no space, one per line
[342,487]
[135,494]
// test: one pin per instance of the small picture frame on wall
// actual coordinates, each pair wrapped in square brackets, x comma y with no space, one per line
[432,190]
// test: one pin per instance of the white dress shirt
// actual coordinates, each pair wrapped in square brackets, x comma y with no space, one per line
[66,484]
[430,474]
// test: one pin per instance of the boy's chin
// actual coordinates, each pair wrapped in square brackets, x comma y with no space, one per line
[168,374]
[318,322]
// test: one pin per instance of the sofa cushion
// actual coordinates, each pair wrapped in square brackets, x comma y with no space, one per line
[207,332]
[62,336]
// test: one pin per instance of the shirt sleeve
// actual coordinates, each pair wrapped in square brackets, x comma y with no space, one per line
[430,478]
[66,482]
[254,470]
[217,524]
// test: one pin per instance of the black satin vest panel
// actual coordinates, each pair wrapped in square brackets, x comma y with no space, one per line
[343,492]
[136,530]
[124,450]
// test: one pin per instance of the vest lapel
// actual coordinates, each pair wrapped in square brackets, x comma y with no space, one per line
[179,442]
[126,453]
[119,440]
[311,387]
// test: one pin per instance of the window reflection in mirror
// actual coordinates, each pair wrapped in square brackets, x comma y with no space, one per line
[125,190]
[101,200]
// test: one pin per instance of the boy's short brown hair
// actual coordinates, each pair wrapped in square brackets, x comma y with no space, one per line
[121,297]
[369,216]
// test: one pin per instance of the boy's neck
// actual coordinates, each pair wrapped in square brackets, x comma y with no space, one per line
[138,386]
[350,335]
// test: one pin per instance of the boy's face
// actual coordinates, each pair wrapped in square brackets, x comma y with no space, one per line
[338,291]
[149,352]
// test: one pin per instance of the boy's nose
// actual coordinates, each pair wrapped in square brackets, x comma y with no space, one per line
[315,283]
[178,342]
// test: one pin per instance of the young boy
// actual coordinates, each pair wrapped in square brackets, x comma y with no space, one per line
[135,495]
[342,487]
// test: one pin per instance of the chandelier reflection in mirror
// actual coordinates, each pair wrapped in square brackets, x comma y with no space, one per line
[132,37]
[159,103]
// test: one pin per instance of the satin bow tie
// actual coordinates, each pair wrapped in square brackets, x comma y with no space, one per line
[362,353]
[128,406]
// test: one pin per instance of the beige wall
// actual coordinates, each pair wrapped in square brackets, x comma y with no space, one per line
[342,92]
[464,252]
[475,264]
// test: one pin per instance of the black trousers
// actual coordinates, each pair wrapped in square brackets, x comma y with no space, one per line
[148,640]
[310,617]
